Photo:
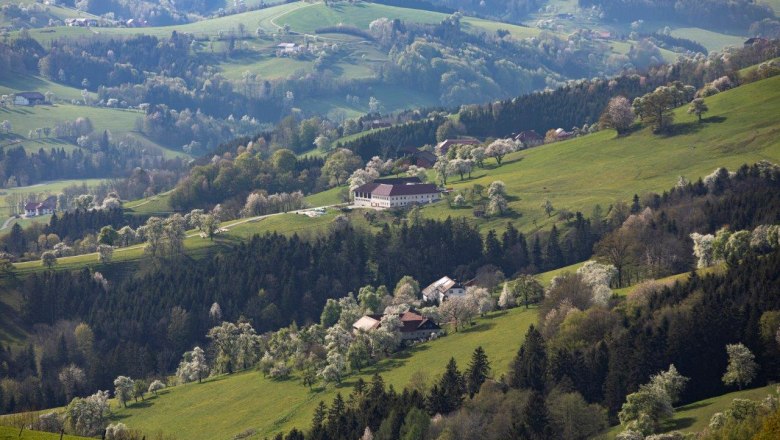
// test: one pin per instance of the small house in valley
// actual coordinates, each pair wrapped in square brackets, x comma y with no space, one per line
[34,209]
[413,325]
[287,49]
[443,288]
[29,98]
[394,193]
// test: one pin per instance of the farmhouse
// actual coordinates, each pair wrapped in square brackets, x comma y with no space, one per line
[421,158]
[413,325]
[529,138]
[393,193]
[81,22]
[288,49]
[29,98]
[444,146]
[442,289]
[45,207]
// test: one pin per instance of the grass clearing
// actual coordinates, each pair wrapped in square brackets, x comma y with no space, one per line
[227,405]
[713,41]
[696,416]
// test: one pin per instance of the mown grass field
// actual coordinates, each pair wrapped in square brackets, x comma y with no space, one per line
[741,127]
[25,83]
[8,433]
[228,405]
[696,416]
[713,41]
[23,119]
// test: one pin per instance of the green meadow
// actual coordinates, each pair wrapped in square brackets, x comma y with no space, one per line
[227,405]
[740,128]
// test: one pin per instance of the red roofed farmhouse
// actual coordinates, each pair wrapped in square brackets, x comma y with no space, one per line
[393,193]
[413,325]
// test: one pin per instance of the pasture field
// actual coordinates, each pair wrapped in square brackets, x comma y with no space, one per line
[227,405]
[713,41]
[740,128]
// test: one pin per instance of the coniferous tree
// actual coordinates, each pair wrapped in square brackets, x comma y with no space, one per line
[478,371]
[553,255]
[447,395]
[529,367]
[317,428]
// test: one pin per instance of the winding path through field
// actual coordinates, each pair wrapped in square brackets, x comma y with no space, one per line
[7,222]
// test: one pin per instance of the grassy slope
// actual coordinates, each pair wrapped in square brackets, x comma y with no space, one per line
[7,433]
[229,405]
[24,119]
[23,83]
[696,416]
[599,168]
[713,41]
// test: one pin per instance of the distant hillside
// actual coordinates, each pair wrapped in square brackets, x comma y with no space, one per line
[577,174]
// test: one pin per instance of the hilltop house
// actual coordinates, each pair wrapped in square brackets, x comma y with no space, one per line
[29,98]
[442,289]
[45,207]
[413,325]
[393,193]
[444,146]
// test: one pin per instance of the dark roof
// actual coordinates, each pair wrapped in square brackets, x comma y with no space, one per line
[31,206]
[366,188]
[50,202]
[530,135]
[32,95]
[404,190]
[398,180]
[411,321]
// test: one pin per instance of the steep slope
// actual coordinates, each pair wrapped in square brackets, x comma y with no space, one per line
[741,127]
[228,405]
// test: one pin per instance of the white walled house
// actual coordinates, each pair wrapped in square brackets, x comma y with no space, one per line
[443,288]
[394,193]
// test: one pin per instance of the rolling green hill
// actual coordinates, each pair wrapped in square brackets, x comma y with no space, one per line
[228,405]
[24,119]
[740,128]
[577,174]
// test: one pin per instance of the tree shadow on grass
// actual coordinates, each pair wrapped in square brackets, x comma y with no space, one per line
[694,406]
[681,423]
[481,327]
[684,128]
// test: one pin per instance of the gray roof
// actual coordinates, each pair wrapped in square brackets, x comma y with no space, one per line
[404,190]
